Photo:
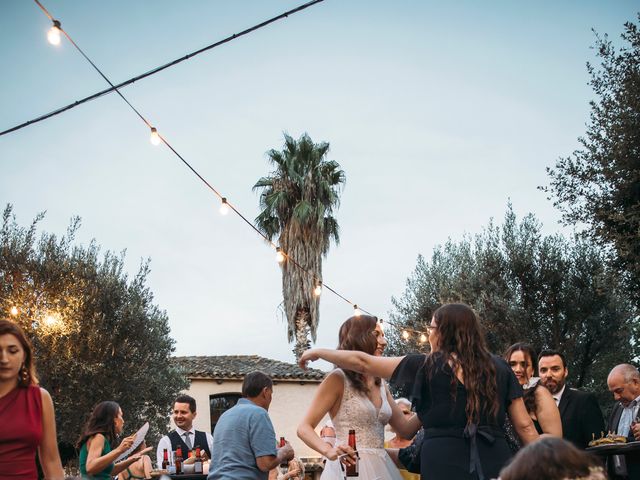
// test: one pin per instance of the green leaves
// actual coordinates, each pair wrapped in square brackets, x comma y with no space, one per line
[298,200]
[108,341]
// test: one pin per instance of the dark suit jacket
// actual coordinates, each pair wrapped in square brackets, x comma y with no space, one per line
[632,459]
[581,417]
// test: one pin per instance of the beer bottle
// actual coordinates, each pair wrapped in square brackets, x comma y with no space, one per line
[197,466]
[284,467]
[178,460]
[352,470]
[165,460]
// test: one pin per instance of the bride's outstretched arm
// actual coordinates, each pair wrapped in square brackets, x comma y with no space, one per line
[353,360]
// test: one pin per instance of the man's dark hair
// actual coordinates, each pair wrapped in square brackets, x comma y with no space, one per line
[551,353]
[186,399]
[253,384]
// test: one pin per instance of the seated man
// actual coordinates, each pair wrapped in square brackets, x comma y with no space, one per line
[624,383]
[185,436]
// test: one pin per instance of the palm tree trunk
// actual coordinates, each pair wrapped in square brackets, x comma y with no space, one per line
[302,333]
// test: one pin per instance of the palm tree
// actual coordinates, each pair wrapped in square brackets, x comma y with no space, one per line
[298,200]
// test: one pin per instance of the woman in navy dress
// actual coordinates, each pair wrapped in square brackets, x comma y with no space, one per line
[460,392]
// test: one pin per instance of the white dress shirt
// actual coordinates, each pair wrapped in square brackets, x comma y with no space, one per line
[165,442]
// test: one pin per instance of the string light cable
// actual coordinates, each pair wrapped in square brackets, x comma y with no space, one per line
[157,138]
[153,71]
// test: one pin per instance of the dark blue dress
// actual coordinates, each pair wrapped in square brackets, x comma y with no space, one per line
[451,450]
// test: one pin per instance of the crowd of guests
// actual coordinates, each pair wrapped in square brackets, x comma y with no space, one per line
[472,415]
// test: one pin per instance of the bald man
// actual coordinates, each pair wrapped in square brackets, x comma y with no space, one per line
[624,384]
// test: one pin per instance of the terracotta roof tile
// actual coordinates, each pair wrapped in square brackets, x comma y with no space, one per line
[237,366]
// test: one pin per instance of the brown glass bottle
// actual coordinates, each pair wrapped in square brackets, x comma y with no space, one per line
[178,461]
[197,466]
[165,460]
[353,470]
[285,465]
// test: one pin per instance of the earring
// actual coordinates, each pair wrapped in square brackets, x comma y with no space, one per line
[24,374]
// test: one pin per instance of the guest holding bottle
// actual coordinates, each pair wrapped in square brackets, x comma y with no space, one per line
[99,435]
[356,401]
[460,392]
[27,417]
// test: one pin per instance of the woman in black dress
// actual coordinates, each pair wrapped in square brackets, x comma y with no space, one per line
[460,392]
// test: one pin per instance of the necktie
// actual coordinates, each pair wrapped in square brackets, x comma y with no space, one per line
[557,399]
[187,440]
[625,419]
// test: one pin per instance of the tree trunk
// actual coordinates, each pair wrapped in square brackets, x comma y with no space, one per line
[302,333]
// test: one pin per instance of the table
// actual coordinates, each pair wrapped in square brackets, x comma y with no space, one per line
[615,455]
[188,476]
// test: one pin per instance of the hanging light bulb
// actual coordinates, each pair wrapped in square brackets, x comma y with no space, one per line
[423,338]
[279,255]
[54,33]
[405,334]
[14,311]
[317,291]
[51,320]
[356,311]
[224,208]
[155,138]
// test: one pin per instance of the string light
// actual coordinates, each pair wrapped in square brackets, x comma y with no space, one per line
[54,33]
[405,334]
[51,320]
[224,207]
[160,68]
[155,138]
[317,291]
[423,338]
[14,311]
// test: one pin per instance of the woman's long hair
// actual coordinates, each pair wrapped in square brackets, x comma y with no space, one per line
[357,334]
[462,346]
[11,328]
[529,395]
[102,420]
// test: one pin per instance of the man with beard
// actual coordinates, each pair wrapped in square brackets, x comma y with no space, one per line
[579,411]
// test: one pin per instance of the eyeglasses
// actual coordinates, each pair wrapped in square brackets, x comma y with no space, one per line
[431,328]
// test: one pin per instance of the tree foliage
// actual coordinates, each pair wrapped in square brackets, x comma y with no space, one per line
[599,185]
[545,290]
[297,203]
[97,335]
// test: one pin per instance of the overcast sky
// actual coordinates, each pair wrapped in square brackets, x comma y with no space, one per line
[439,113]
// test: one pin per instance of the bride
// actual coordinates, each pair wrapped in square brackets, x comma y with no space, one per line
[359,402]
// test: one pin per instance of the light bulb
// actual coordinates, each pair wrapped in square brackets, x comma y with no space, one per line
[356,311]
[405,334]
[317,291]
[155,138]
[14,311]
[54,33]
[423,338]
[279,255]
[224,208]
[50,320]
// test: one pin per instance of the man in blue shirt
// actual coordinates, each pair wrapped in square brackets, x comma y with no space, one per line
[244,442]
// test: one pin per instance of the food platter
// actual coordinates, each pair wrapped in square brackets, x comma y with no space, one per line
[614,448]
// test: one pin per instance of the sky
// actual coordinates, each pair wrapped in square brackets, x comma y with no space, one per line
[440,113]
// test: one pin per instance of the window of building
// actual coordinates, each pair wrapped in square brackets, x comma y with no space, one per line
[220,403]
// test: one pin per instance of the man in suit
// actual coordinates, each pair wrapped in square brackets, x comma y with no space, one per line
[624,383]
[579,411]
[184,436]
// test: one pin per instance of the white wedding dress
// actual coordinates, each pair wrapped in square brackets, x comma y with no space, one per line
[358,413]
